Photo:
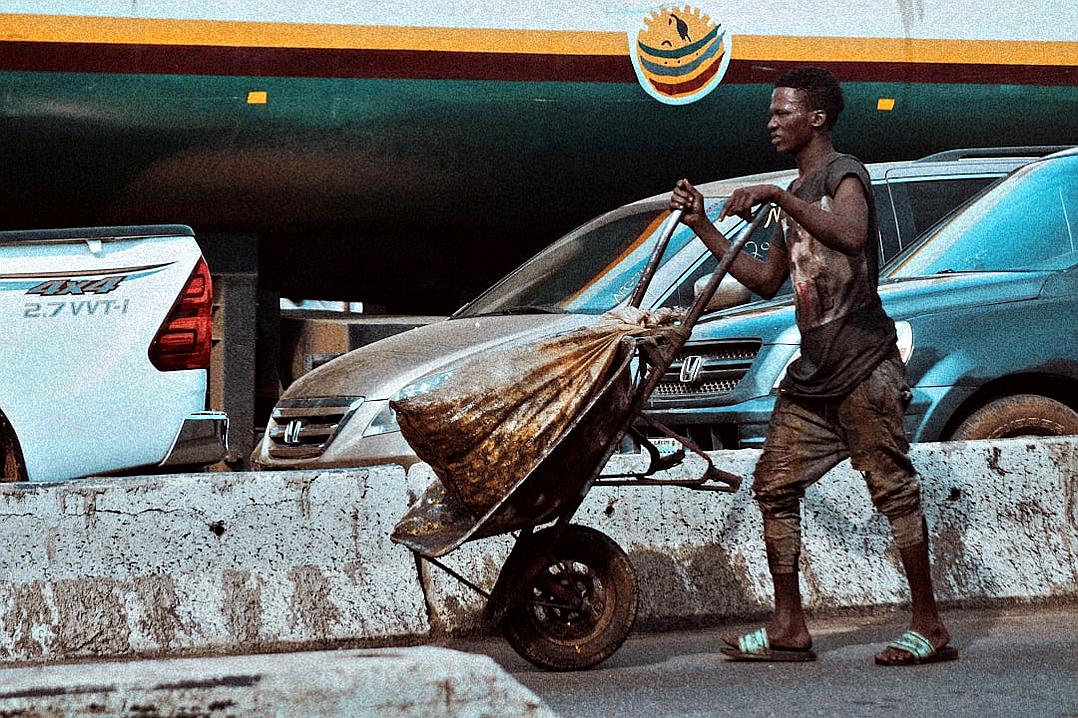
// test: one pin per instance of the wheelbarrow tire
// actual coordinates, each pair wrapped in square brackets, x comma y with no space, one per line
[592,607]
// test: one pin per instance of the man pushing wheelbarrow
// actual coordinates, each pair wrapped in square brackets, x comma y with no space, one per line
[846,393]
[518,437]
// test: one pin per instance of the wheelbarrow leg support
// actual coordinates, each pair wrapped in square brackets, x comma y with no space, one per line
[728,483]
[455,574]
[656,461]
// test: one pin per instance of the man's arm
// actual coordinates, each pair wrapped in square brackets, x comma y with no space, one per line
[843,228]
[764,277]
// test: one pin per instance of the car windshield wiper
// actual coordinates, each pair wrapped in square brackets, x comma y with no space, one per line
[975,271]
[907,278]
[524,309]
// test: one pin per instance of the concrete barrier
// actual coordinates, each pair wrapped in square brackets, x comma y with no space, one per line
[1002,515]
[251,562]
[421,682]
[204,563]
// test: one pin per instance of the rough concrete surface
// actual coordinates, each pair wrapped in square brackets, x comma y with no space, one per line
[204,562]
[253,562]
[1002,516]
[424,682]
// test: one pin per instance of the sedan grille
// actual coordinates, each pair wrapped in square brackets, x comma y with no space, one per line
[303,428]
[711,369]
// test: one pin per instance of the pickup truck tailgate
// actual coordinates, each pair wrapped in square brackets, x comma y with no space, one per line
[80,308]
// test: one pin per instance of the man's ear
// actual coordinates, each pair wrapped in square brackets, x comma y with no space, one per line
[818,118]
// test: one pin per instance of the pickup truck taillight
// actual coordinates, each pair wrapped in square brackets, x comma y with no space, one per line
[183,341]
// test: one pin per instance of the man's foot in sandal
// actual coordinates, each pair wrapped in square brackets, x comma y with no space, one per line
[914,649]
[755,646]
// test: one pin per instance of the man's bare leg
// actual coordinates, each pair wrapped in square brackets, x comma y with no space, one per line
[787,628]
[925,618]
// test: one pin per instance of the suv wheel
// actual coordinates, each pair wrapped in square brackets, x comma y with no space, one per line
[1018,415]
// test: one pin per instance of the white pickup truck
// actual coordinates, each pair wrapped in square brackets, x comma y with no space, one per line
[105,353]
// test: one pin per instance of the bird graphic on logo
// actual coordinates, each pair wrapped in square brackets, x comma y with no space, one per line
[682,28]
[680,55]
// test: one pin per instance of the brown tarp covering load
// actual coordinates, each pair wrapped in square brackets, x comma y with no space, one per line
[498,415]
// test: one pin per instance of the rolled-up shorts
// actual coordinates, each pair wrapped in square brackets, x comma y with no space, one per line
[807,438]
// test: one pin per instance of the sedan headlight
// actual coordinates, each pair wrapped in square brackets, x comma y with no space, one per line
[385,421]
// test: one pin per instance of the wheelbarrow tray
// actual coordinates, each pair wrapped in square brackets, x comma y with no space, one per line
[440,522]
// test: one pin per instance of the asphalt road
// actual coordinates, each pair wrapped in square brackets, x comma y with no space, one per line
[1013,662]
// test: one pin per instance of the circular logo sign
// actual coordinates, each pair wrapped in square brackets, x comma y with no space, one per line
[680,55]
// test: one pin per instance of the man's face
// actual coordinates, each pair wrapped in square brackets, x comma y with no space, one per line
[792,122]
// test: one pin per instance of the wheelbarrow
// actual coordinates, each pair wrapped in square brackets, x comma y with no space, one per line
[566,596]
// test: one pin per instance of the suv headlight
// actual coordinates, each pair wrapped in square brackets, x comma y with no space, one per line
[905,340]
[385,421]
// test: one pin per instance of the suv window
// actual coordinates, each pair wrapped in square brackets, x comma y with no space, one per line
[1028,222]
[920,203]
[905,208]
[684,293]
[890,244]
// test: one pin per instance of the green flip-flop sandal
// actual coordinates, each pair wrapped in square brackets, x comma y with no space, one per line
[756,647]
[916,651]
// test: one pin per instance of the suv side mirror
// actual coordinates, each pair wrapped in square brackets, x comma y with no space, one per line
[729,294]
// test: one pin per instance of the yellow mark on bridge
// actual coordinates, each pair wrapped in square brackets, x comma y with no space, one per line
[885,104]
[257,97]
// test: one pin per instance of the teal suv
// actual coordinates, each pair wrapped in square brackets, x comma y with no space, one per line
[986,306]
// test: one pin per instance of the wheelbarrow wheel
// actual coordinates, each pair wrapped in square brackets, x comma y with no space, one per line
[579,607]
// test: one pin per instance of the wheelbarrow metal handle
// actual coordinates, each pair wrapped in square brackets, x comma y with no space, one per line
[656,255]
[665,358]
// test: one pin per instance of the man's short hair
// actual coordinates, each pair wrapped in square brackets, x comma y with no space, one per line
[820,87]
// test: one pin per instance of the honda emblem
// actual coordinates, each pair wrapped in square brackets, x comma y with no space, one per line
[291,432]
[690,368]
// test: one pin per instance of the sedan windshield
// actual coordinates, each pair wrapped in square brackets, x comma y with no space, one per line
[1027,222]
[591,270]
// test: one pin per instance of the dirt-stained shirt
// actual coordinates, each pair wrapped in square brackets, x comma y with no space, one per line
[845,332]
